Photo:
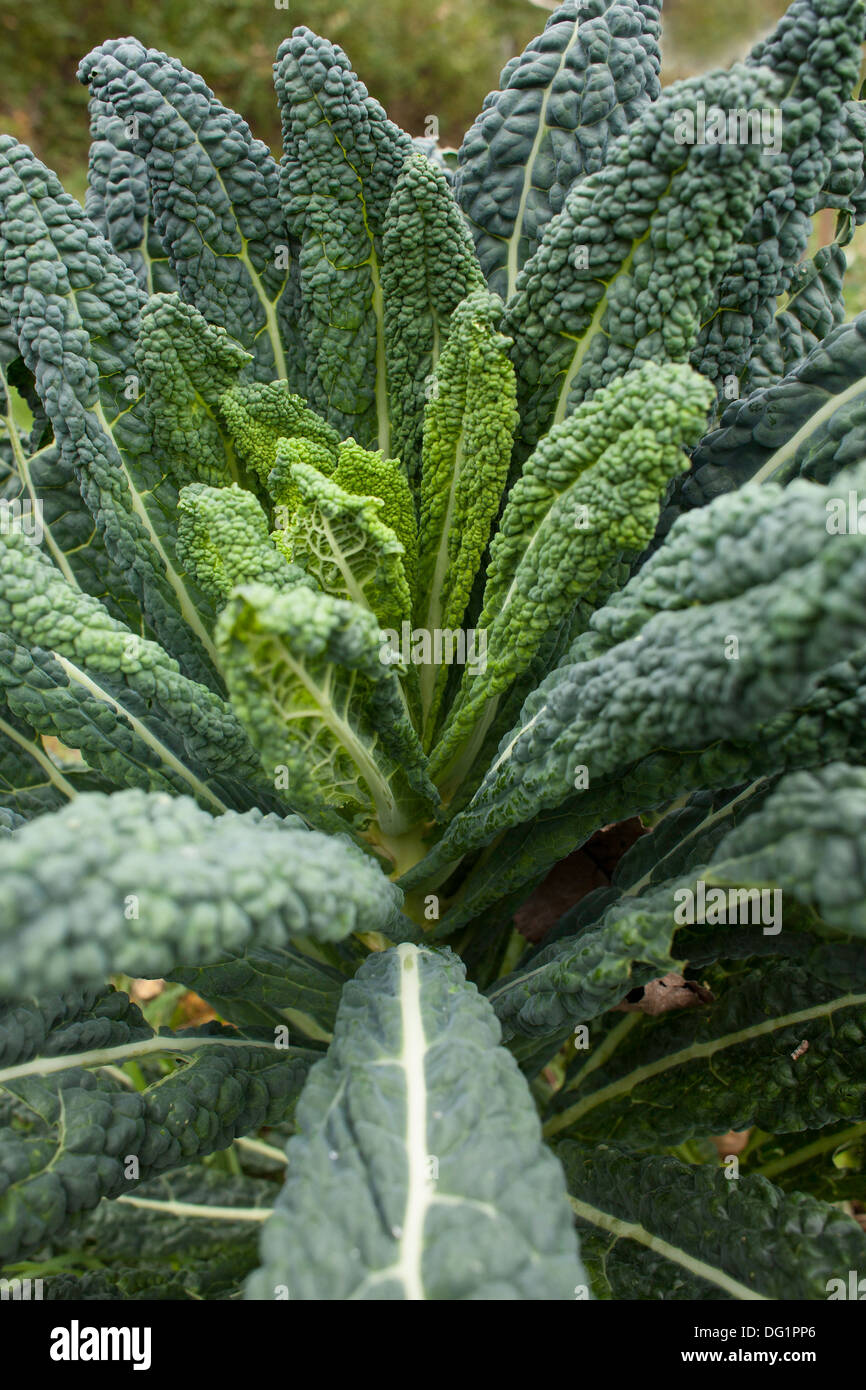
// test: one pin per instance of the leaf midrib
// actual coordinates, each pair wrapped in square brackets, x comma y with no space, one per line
[696,1052]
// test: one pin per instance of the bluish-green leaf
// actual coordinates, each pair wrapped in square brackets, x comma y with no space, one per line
[418,1147]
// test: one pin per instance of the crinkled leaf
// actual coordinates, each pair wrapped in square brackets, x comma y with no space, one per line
[77,1126]
[428,267]
[657,1228]
[139,883]
[624,274]
[186,364]
[214,194]
[309,676]
[815,52]
[39,608]
[419,1148]
[469,424]
[649,693]
[560,104]
[590,494]
[223,539]
[74,308]
[342,158]
[259,415]
[729,1065]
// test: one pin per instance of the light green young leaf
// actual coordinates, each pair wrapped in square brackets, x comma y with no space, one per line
[365,472]
[260,414]
[428,266]
[589,495]
[282,487]
[223,540]
[185,365]
[310,677]
[469,426]
[343,543]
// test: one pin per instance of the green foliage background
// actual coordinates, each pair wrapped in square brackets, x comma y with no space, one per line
[418,57]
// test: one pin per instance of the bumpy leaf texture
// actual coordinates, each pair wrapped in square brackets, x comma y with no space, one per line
[223,540]
[76,319]
[816,52]
[429,266]
[117,201]
[214,191]
[39,608]
[633,690]
[186,364]
[71,1126]
[559,106]
[195,888]
[657,1228]
[342,159]
[418,1197]
[811,424]
[626,271]
[307,676]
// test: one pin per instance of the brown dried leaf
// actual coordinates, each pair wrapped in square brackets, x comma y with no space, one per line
[661,996]
[574,877]
[731,1143]
[195,1011]
[142,991]
[608,845]
[565,885]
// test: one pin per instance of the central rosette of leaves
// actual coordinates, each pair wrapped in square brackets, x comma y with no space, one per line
[346,583]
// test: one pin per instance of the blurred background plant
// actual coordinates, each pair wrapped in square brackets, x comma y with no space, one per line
[420,58]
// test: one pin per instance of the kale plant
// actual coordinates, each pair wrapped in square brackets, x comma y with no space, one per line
[378,527]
